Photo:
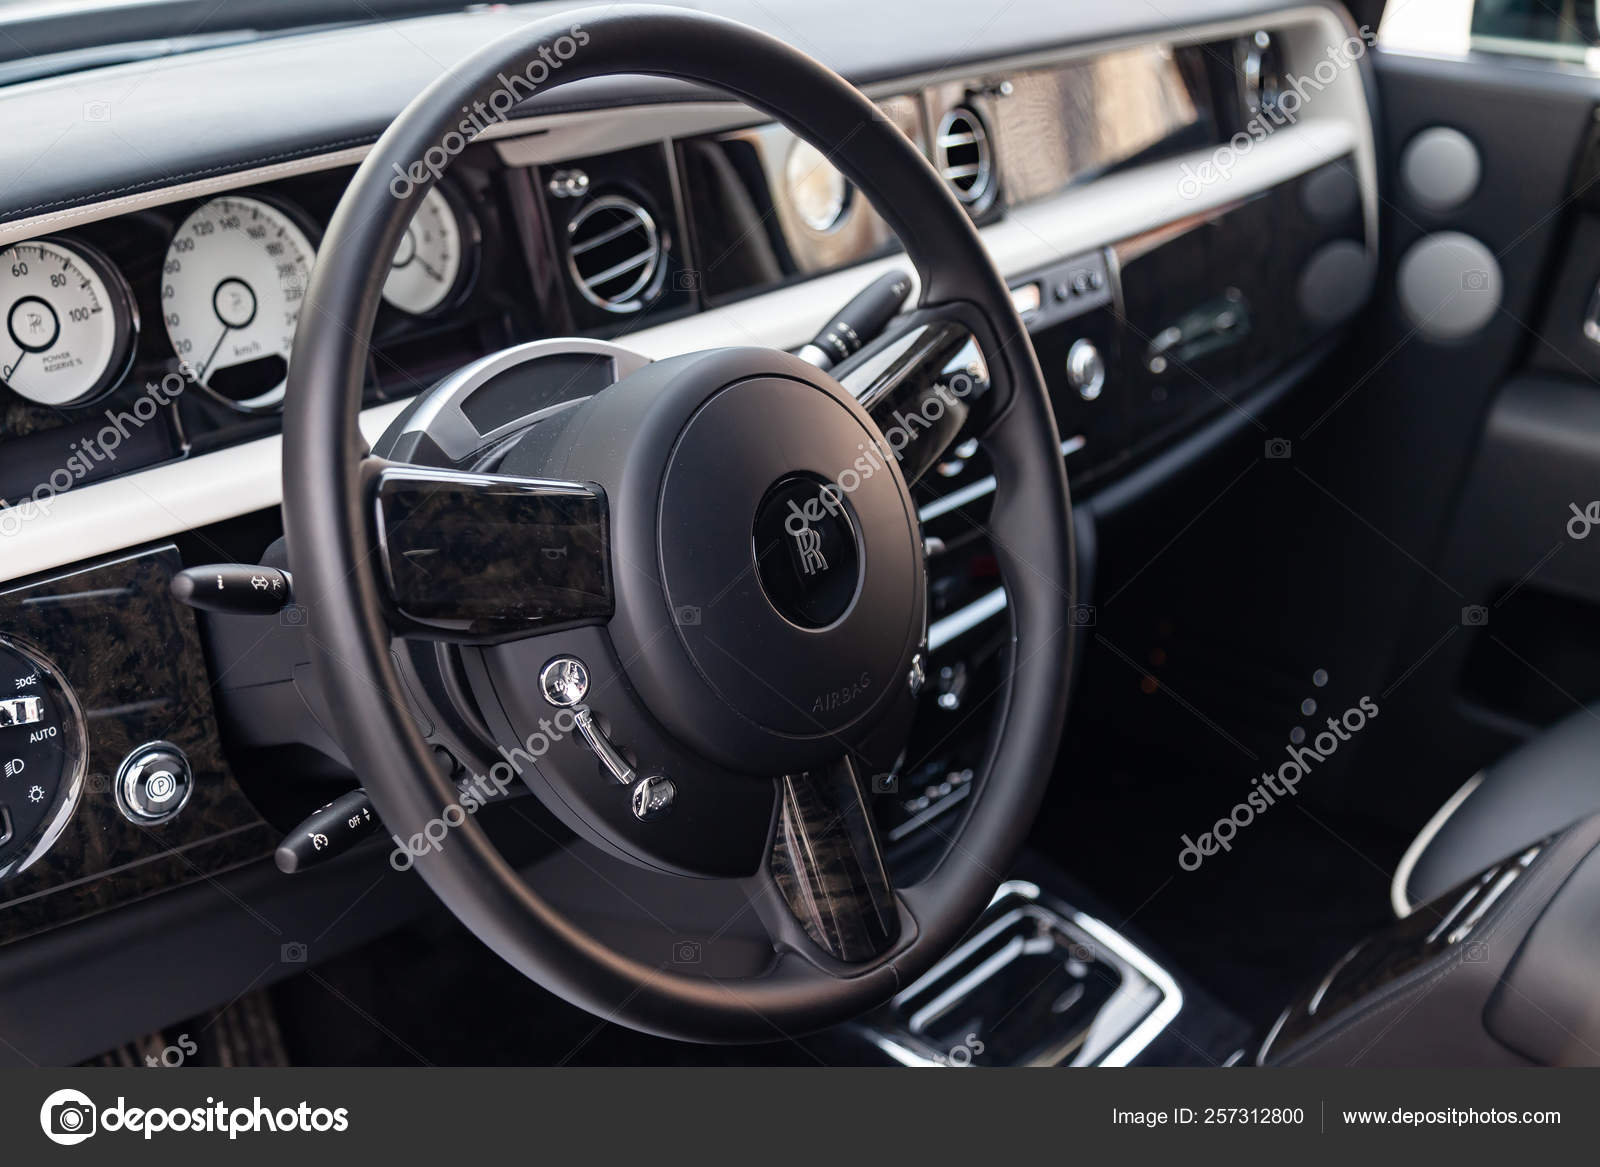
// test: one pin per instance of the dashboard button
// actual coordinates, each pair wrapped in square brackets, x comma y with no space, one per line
[652,797]
[1086,369]
[154,783]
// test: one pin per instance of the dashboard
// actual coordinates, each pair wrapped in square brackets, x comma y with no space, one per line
[146,339]
[173,325]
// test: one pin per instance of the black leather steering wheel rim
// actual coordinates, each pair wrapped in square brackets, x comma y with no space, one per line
[329,528]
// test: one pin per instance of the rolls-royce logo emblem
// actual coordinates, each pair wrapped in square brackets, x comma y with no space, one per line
[565,681]
[809,544]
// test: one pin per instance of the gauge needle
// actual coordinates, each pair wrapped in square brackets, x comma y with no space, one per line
[428,267]
[201,375]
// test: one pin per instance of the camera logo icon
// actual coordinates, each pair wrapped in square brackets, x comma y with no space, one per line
[687,615]
[293,953]
[68,1117]
[1279,449]
[1474,615]
[686,952]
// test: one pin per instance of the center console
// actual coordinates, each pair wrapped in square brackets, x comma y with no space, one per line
[1497,971]
[1037,983]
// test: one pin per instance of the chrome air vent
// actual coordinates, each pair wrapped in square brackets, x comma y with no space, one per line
[614,253]
[965,157]
[1258,63]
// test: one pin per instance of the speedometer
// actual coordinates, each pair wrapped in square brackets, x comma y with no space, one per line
[236,272]
[68,324]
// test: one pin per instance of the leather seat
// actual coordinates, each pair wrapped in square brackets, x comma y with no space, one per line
[1545,785]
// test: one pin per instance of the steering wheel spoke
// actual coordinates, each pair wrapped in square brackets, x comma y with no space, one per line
[828,866]
[479,558]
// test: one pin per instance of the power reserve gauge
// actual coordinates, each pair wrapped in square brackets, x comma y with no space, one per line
[67,322]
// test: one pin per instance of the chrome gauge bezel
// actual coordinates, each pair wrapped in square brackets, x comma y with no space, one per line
[471,233]
[839,207]
[312,234]
[124,310]
[75,735]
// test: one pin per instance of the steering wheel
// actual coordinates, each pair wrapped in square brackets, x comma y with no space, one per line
[689,604]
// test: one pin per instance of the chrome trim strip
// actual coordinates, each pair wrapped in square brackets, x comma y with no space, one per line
[973,491]
[1398,897]
[441,417]
[949,802]
[1171,1003]
[1112,942]
[957,499]
[966,619]
[1508,876]
[1272,1036]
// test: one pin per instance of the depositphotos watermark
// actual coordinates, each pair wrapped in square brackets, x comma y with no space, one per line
[1583,520]
[549,57]
[100,447]
[69,1117]
[900,432]
[475,792]
[1273,785]
[1295,94]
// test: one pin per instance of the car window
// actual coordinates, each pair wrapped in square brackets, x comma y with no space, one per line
[1555,30]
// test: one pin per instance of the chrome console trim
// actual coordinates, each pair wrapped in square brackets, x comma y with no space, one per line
[1399,899]
[1117,1050]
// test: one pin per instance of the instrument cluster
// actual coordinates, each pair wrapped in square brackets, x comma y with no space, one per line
[230,284]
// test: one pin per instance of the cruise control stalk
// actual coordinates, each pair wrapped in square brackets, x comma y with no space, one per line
[859,321]
[238,589]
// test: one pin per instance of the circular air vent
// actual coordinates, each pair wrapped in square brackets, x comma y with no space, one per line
[1259,65]
[614,253]
[963,154]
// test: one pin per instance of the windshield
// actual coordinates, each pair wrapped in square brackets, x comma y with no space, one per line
[42,38]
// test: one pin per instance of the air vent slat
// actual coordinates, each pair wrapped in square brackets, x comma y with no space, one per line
[613,240]
[617,269]
[606,236]
[964,156]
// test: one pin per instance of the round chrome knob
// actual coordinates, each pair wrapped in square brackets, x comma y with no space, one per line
[154,783]
[652,797]
[1086,369]
[564,681]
